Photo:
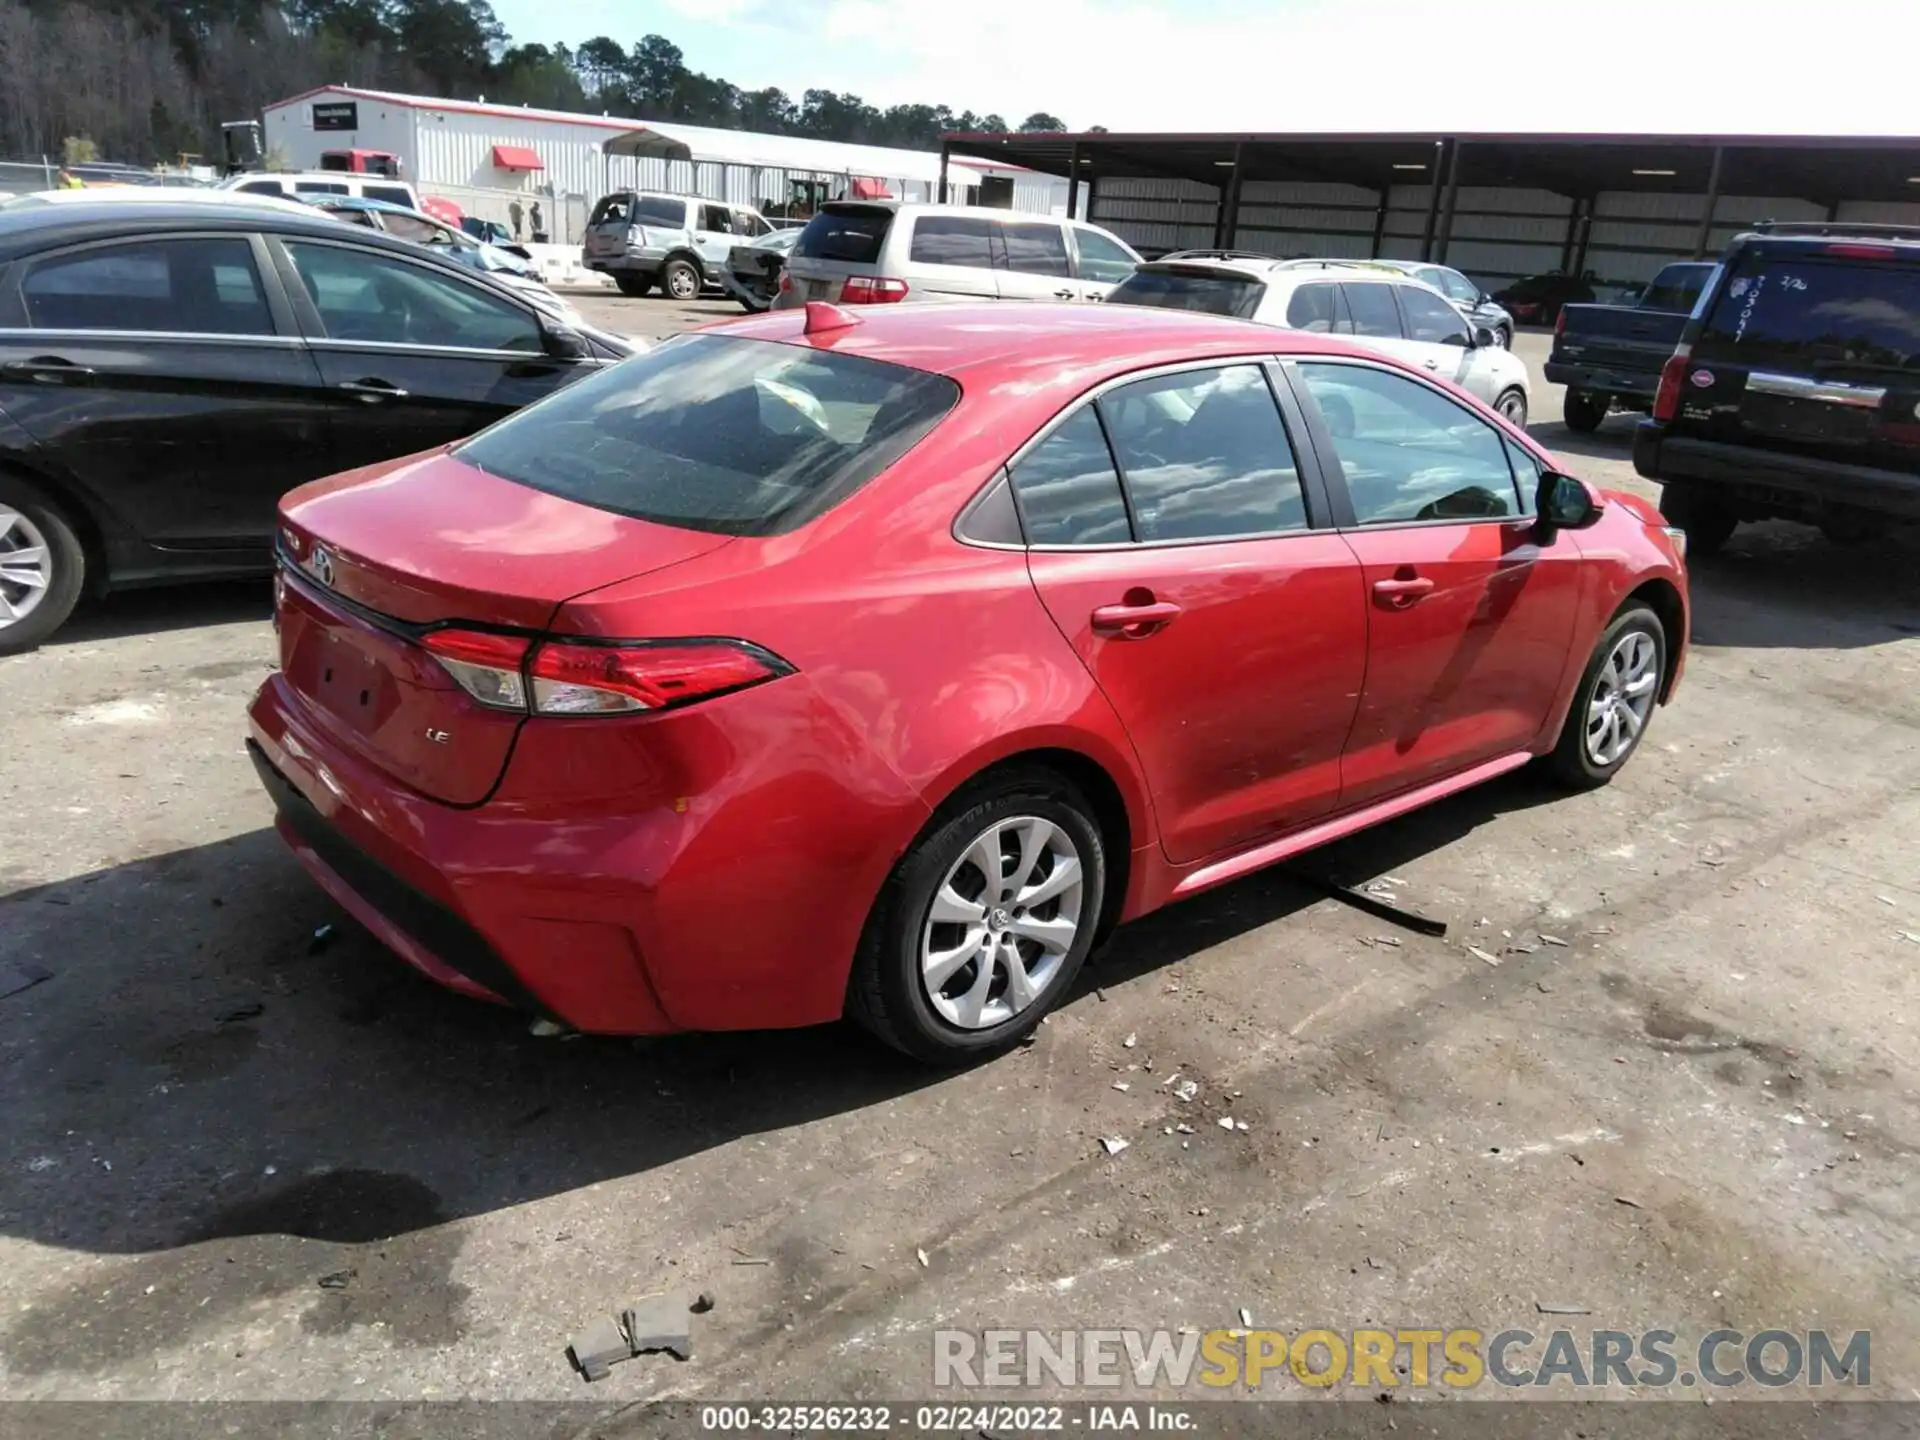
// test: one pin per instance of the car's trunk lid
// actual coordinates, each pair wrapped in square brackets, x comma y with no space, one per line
[379,560]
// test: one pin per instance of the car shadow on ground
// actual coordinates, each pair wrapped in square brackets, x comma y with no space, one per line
[175,607]
[199,1069]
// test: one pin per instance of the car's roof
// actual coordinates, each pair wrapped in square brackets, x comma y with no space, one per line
[1275,268]
[995,341]
[331,176]
[34,228]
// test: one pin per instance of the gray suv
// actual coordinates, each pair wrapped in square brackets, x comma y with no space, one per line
[679,242]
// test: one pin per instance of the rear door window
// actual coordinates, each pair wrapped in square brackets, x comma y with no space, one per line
[952,240]
[319,187]
[1211,292]
[713,433]
[392,194]
[1068,488]
[181,287]
[1317,309]
[850,234]
[1205,455]
[1817,315]
[662,210]
[1035,249]
[1373,310]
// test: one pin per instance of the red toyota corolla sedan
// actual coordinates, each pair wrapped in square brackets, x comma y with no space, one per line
[877,664]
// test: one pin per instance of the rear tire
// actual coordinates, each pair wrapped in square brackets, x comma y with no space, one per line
[1631,652]
[633,286]
[680,281]
[1583,411]
[1038,832]
[43,567]
[1707,523]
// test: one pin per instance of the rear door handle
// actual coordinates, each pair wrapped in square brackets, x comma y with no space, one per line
[1134,622]
[1432,364]
[47,370]
[372,390]
[1401,593]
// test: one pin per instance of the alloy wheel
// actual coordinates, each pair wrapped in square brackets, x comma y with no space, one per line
[1513,407]
[683,284]
[26,566]
[1623,695]
[1002,922]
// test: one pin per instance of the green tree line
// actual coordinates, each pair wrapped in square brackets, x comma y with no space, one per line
[147,80]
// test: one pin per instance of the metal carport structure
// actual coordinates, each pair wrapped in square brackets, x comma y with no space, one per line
[1648,197]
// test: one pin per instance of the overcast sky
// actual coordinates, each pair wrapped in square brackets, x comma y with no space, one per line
[1623,65]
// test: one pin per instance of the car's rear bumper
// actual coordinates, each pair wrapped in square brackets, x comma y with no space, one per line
[635,878]
[1774,481]
[1598,380]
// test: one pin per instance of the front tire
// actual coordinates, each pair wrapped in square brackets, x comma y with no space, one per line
[1583,411]
[1503,337]
[1512,407]
[680,281]
[43,567]
[984,923]
[1708,524]
[1614,702]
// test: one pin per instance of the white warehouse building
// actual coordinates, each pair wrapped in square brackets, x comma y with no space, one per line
[486,157]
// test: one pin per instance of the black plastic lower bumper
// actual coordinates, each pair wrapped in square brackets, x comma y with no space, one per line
[431,925]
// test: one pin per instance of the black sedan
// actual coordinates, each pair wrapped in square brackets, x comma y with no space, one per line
[168,371]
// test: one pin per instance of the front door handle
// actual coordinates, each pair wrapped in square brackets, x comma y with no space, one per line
[1431,364]
[47,370]
[1063,294]
[1135,622]
[372,390]
[1399,594]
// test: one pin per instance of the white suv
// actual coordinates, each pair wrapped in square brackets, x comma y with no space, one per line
[680,242]
[1377,308]
[860,252]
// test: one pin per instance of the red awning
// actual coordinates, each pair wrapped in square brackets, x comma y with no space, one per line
[865,188]
[515,157]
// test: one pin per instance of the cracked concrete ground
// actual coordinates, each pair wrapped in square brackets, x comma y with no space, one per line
[1698,1112]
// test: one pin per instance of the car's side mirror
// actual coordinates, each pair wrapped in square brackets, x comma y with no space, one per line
[1563,502]
[1483,338]
[564,342]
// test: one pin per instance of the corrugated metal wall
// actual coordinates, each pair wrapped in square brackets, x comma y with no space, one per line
[1499,234]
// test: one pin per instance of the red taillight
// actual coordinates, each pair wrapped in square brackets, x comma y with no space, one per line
[1666,399]
[488,667]
[565,677]
[786,283]
[1863,252]
[872,290]
[1560,324]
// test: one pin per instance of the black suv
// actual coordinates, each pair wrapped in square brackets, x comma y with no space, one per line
[1795,389]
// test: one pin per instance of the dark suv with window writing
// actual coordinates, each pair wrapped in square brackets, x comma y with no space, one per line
[1795,389]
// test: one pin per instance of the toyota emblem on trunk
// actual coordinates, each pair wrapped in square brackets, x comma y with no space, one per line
[321,564]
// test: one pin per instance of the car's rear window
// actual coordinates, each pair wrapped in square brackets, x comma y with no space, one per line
[730,436]
[1211,292]
[851,234]
[1818,313]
